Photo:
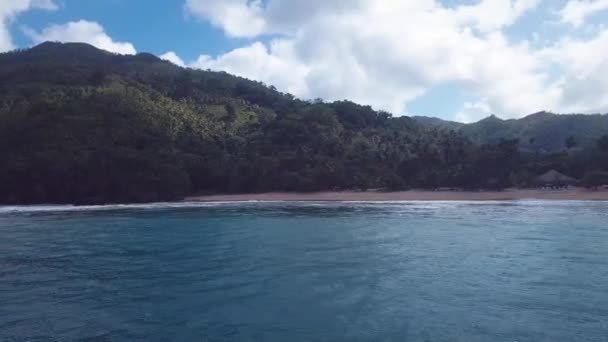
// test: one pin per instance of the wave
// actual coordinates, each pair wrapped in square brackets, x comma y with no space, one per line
[106,207]
[186,205]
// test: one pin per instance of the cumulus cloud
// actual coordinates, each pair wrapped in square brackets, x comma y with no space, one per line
[583,85]
[251,18]
[172,57]
[81,31]
[576,11]
[258,62]
[473,111]
[489,15]
[9,9]
[239,18]
[387,53]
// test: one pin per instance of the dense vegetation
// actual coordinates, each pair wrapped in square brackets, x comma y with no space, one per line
[80,125]
[543,132]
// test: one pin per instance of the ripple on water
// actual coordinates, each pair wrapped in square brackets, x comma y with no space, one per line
[287,271]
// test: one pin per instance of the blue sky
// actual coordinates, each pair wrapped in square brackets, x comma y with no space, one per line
[456,59]
[158,27]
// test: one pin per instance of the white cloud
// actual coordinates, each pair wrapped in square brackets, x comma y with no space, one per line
[489,15]
[473,111]
[239,18]
[251,18]
[583,84]
[173,58]
[387,53]
[576,11]
[9,9]
[81,31]
[271,65]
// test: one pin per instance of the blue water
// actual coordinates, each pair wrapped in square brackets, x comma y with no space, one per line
[498,271]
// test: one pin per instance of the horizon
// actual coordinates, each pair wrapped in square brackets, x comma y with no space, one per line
[533,56]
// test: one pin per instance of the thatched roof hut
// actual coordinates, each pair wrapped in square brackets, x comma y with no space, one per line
[553,177]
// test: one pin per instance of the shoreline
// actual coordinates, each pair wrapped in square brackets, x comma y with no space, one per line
[575,194]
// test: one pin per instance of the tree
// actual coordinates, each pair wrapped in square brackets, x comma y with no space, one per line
[595,179]
[570,142]
[80,125]
[602,143]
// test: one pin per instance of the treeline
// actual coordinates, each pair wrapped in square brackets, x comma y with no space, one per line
[543,132]
[79,125]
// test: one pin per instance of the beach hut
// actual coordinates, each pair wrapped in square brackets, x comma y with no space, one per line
[555,179]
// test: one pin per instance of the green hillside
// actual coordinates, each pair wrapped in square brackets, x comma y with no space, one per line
[543,132]
[436,122]
[81,125]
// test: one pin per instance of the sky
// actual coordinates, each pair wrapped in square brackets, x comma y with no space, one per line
[454,59]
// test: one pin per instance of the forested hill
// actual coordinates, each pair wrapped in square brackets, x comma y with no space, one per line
[81,125]
[543,132]
[437,122]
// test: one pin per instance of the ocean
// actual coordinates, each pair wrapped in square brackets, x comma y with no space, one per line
[369,271]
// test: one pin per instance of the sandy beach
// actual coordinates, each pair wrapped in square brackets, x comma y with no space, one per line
[414,195]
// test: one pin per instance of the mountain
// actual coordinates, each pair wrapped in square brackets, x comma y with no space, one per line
[543,132]
[437,122]
[81,125]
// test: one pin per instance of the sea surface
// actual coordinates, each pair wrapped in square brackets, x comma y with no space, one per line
[400,271]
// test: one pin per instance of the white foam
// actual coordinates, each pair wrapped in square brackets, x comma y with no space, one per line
[178,205]
[109,207]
